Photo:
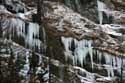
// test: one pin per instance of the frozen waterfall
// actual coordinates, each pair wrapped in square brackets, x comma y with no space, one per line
[101,7]
[83,53]
[81,50]
[29,31]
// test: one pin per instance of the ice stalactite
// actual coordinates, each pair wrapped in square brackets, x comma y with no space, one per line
[19,28]
[101,8]
[29,31]
[108,65]
[81,50]
[111,63]
[67,45]
[33,31]
[99,55]
[100,11]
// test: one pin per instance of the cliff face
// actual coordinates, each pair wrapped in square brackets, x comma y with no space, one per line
[105,40]
[85,41]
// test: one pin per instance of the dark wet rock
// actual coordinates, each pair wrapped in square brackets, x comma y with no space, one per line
[119,4]
[86,8]
[62,21]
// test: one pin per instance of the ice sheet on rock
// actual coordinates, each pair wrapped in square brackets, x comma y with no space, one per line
[104,79]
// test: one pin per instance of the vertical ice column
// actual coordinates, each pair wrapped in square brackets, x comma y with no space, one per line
[81,50]
[91,52]
[108,65]
[101,9]
[33,32]
[67,45]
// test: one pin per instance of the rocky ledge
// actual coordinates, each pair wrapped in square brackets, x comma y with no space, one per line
[62,21]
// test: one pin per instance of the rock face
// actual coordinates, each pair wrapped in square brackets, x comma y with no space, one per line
[79,49]
[105,37]
[19,65]
[66,21]
[14,6]
[63,21]
[119,3]
[87,8]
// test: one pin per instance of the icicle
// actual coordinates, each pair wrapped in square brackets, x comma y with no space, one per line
[82,48]
[118,63]
[101,9]
[99,55]
[89,44]
[91,56]
[80,54]
[114,62]
[33,31]
[67,45]
[20,27]
[100,14]
[108,65]
[66,42]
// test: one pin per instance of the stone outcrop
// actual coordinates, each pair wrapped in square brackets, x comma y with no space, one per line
[60,20]
[118,3]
